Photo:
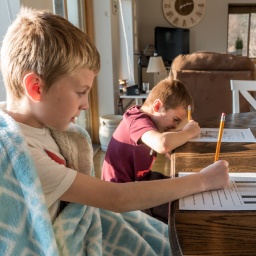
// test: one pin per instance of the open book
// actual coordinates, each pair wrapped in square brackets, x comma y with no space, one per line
[240,194]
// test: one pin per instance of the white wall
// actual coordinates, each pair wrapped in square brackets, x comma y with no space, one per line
[8,11]
[209,35]
[106,39]
[45,4]
[126,57]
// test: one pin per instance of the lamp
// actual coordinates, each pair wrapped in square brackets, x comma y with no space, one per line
[152,61]
[156,64]
[143,62]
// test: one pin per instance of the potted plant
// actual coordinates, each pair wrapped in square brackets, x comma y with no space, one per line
[239,46]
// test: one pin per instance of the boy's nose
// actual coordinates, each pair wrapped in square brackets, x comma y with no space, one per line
[84,105]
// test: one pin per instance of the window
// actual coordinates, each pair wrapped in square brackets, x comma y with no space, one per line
[71,10]
[242,24]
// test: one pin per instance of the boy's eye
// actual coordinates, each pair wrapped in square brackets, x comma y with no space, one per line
[177,121]
[82,93]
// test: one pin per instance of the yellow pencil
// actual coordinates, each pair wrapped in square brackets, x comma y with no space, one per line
[222,121]
[189,112]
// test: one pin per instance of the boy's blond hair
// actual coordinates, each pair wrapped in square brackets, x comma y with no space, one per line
[47,44]
[172,93]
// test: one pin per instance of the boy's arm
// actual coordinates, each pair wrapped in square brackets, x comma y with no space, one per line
[123,197]
[167,141]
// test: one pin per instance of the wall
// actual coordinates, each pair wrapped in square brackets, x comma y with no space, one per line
[45,4]
[126,57]
[209,35]
[106,39]
[8,12]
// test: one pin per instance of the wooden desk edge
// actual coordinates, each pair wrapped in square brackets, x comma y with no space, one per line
[173,238]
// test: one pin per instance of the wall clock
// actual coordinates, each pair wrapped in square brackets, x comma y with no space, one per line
[184,13]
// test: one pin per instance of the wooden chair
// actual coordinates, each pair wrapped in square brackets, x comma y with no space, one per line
[245,87]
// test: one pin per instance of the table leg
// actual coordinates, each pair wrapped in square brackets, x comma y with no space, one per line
[138,101]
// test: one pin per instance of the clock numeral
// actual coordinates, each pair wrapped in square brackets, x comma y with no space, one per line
[199,14]
[201,5]
[192,21]
[169,14]
[184,23]
[175,21]
[167,6]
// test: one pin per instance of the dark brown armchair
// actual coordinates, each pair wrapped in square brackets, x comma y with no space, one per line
[207,77]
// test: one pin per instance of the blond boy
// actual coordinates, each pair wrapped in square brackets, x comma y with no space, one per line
[48,67]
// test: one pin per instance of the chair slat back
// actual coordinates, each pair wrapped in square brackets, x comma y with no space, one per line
[244,87]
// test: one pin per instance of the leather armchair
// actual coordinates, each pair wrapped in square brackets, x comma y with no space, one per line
[207,77]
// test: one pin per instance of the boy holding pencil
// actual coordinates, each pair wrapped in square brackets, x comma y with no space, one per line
[158,126]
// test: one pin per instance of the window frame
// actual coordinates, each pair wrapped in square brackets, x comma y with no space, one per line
[243,9]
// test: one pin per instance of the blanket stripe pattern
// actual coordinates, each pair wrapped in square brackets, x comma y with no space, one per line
[25,225]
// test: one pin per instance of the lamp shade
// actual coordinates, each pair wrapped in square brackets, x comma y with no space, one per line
[156,64]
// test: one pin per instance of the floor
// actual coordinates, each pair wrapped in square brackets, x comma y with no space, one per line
[162,164]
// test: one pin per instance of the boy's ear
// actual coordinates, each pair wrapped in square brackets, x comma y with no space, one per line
[157,104]
[33,86]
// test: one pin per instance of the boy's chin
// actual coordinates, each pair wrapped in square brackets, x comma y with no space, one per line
[169,130]
[60,128]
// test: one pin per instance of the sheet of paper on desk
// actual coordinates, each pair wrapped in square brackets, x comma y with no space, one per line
[229,135]
[240,194]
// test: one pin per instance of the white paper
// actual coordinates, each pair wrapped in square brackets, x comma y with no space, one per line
[229,135]
[240,194]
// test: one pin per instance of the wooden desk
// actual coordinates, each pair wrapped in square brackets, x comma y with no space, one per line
[214,232]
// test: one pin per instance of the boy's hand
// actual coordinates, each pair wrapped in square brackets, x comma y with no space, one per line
[215,176]
[193,128]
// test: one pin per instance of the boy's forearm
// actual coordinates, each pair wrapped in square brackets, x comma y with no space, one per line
[167,141]
[176,139]
[122,197]
[153,193]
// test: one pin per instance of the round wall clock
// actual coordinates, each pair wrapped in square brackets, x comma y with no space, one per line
[184,13]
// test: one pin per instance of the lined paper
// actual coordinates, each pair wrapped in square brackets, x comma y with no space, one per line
[239,194]
[229,135]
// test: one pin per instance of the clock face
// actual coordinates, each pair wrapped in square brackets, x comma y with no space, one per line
[184,13]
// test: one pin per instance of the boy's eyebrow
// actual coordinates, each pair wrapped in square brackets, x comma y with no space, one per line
[84,86]
[176,117]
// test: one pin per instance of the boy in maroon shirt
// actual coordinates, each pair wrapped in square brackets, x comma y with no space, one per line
[155,127]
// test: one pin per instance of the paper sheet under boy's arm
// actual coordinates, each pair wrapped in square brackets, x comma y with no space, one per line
[240,194]
[229,135]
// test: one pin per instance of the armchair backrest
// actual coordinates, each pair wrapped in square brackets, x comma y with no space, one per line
[207,77]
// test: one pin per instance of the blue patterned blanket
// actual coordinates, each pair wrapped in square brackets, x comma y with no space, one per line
[25,225]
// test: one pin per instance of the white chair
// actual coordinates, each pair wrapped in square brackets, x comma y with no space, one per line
[244,87]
